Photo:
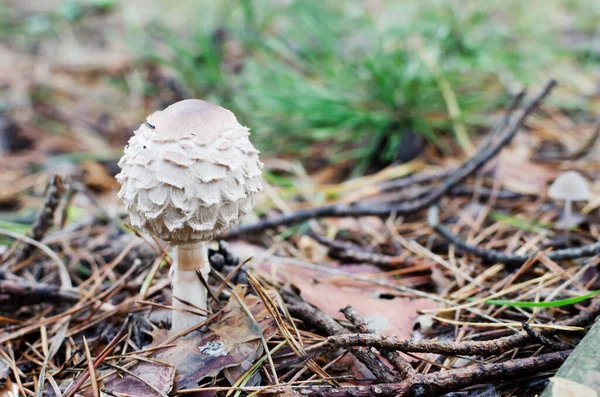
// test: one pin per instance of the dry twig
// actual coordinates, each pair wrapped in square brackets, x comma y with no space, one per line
[468,168]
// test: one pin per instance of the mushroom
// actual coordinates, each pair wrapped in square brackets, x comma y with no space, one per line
[569,186]
[188,174]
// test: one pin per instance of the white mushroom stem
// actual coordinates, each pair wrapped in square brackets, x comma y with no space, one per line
[568,211]
[568,220]
[187,286]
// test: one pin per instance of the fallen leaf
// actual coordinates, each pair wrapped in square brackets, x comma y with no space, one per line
[161,377]
[236,327]
[388,316]
[233,341]
[516,172]
[96,177]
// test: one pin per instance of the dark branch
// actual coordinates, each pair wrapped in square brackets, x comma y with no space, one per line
[45,219]
[437,383]
[403,367]
[467,348]
[17,293]
[542,340]
[315,317]
[348,251]
[501,257]
[464,171]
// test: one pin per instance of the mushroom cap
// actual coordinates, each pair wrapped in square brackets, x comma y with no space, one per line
[189,172]
[570,185]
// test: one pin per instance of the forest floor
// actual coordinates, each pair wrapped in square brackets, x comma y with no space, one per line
[451,271]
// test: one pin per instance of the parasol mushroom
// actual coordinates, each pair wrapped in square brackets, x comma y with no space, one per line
[187,175]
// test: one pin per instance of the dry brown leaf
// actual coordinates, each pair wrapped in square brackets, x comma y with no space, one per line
[386,316]
[517,173]
[159,376]
[96,177]
[233,340]
[235,327]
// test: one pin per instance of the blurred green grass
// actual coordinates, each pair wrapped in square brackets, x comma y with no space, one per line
[321,72]
[356,80]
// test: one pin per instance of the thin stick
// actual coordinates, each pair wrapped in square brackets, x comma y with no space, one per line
[402,366]
[437,383]
[322,321]
[542,340]
[45,219]
[469,167]
[91,369]
[63,272]
[501,257]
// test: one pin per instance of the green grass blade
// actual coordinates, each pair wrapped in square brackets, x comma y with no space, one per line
[558,303]
[524,224]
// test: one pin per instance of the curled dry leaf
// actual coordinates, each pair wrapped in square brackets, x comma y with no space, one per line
[516,172]
[393,316]
[96,177]
[386,316]
[233,341]
[160,376]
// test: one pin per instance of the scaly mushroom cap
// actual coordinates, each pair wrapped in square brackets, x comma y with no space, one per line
[189,172]
[569,186]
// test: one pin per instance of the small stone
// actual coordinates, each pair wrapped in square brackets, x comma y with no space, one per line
[228,269]
[217,261]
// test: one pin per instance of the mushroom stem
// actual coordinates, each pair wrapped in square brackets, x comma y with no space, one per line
[192,256]
[568,216]
[568,210]
[190,292]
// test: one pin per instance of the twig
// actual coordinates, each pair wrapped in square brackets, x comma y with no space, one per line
[469,167]
[74,387]
[501,257]
[484,192]
[63,272]
[45,220]
[586,316]
[466,348]
[351,252]
[513,105]
[461,190]
[437,383]
[416,179]
[21,293]
[403,367]
[542,340]
[577,154]
[315,317]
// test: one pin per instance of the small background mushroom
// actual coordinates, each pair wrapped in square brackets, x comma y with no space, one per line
[569,186]
[188,174]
